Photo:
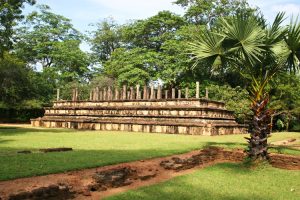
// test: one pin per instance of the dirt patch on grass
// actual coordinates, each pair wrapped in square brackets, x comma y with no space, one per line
[101,182]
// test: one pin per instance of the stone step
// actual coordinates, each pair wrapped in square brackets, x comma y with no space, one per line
[143,126]
[88,115]
[175,108]
[133,113]
[120,120]
[149,103]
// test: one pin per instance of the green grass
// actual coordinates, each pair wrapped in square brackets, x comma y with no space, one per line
[95,148]
[223,181]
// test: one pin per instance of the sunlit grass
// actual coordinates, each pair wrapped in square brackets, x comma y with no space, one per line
[224,181]
[99,148]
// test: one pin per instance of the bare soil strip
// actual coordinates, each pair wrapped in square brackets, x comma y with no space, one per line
[101,182]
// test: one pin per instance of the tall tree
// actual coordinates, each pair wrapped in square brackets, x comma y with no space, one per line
[10,13]
[50,40]
[154,31]
[285,99]
[14,80]
[258,53]
[134,66]
[105,39]
[207,12]
[134,53]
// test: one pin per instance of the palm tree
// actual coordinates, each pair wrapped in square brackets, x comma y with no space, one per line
[258,52]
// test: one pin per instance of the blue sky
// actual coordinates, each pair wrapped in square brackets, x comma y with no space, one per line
[84,12]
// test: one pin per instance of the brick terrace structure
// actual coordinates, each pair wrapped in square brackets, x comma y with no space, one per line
[129,110]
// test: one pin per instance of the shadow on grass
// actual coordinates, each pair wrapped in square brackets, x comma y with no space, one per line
[11,130]
[5,141]
[15,165]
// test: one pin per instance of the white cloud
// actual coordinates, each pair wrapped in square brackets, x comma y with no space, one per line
[271,7]
[290,9]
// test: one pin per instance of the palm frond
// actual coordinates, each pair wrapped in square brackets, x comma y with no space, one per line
[246,35]
[208,48]
[276,32]
[293,41]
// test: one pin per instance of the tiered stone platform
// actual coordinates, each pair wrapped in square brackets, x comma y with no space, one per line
[177,116]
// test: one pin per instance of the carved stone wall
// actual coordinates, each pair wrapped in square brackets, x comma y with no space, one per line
[177,116]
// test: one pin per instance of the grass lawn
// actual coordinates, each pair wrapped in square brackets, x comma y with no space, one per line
[95,148]
[224,181]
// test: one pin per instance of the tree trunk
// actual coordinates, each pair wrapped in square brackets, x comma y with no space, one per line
[259,129]
[271,122]
[288,121]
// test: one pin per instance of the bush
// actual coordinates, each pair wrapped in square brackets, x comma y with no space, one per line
[236,99]
[14,115]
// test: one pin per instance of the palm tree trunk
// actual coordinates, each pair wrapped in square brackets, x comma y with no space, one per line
[259,129]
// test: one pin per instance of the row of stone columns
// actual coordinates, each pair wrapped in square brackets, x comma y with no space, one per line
[107,94]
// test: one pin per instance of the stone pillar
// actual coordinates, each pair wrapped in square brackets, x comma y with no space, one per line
[116,94]
[91,95]
[109,94]
[100,95]
[105,94]
[152,95]
[159,92]
[131,93]
[97,94]
[138,95]
[145,95]
[173,93]
[76,94]
[124,91]
[206,93]
[179,94]
[128,94]
[73,94]
[57,94]
[166,94]
[186,92]
[197,90]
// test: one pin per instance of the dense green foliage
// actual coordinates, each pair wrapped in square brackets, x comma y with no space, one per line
[10,13]
[207,12]
[223,181]
[99,148]
[41,52]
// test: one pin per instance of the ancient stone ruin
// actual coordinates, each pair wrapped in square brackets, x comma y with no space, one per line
[150,110]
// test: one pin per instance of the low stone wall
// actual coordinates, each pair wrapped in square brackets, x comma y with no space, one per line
[285,161]
[215,154]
